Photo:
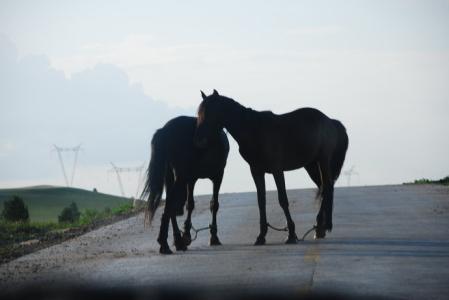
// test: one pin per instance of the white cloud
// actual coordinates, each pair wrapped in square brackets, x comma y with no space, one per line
[389,100]
[98,107]
[135,51]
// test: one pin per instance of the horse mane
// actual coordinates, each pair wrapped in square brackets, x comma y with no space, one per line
[236,112]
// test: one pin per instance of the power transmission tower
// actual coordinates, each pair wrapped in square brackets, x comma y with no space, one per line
[119,170]
[75,150]
[349,173]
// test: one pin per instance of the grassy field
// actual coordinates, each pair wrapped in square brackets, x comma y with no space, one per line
[45,203]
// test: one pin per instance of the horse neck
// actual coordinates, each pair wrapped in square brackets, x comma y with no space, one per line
[234,118]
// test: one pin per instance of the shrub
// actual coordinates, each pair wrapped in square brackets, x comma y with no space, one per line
[15,210]
[89,216]
[69,214]
[123,208]
[107,211]
[443,181]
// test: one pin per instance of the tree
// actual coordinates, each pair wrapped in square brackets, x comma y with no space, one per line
[69,214]
[15,210]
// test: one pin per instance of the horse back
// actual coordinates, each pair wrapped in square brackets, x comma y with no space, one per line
[289,141]
[187,159]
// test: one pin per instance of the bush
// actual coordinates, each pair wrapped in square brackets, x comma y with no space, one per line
[443,181]
[88,216]
[15,210]
[107,211]
[69,214]
[123,208]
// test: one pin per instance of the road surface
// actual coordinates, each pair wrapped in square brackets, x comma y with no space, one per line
[388,241]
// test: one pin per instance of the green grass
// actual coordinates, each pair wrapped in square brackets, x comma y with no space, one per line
[13,233]
[16,232]
[90,216]
[45,203]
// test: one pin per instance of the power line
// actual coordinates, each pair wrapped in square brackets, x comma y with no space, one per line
[75,150]
[349,173]
[119,170]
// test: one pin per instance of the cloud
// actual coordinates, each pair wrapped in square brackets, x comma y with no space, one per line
[135,51]
[98,107]
[393,103]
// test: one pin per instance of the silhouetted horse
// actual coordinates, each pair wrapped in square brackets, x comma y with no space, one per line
[178,163]
[273,144]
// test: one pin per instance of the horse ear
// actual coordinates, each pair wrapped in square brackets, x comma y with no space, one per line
[203,95]
[215,93]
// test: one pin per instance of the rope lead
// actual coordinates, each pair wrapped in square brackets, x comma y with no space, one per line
[268,224]
[198,230]
[286,229]
[306,234]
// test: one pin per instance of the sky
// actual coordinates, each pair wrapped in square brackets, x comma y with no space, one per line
[107,74]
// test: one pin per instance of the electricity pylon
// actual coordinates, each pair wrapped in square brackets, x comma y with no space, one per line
[75,150]
[349,173]
[119,170]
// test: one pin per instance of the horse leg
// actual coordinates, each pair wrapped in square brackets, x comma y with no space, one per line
[163,231]
[329,195]
[283,202]
[179,194]
[190,206]
[259,180]
[214,241]
[324,217]
[314,173]
[179,242]
[165,219]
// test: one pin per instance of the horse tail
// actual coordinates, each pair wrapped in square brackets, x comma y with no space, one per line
[339,154]
[154,183]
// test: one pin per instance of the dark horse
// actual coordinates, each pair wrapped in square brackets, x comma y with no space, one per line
[177,163]
[273,144]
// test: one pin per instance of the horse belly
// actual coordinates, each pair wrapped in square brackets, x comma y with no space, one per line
[299,152]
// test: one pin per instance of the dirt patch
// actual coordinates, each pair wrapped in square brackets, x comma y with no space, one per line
[16,250]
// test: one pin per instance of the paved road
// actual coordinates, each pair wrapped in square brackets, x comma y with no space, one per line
[390,241]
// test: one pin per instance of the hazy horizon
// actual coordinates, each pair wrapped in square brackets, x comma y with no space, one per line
[107,75]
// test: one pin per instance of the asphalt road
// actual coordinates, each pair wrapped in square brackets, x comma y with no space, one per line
[388,241]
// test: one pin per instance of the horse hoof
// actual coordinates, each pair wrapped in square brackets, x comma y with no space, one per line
[165,250]
[319,234]
[180,245]
[292,240]
[214,241]
[260,241]
[181,248]
[187,239]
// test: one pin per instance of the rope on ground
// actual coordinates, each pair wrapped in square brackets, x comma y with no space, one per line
[198,230]
[268,224]
[277,228]
[306,234]
[286,229]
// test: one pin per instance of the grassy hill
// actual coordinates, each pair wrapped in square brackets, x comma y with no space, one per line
[46,202]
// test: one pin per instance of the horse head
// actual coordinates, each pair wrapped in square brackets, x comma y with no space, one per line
[209,120]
